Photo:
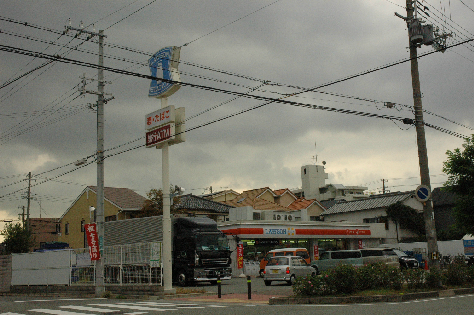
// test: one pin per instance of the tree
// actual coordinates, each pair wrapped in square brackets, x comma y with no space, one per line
[17,238]
[407,217]
[153,206]
[460,170]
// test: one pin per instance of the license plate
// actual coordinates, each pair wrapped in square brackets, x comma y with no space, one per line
[275,271]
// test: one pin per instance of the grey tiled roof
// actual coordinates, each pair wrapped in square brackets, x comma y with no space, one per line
[375,202]
[124,198]
[192,202]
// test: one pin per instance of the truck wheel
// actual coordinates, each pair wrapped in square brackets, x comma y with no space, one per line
[261,273]
[267,282]
[182,279]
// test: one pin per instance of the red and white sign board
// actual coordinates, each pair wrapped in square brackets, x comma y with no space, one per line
[92,240]
[158,135]
[166,125]
[160,117]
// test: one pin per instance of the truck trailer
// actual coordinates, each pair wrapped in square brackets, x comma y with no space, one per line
[200,250]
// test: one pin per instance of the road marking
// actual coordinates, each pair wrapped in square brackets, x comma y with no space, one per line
[134,307]
[91,309]
[10,313]
[57,312]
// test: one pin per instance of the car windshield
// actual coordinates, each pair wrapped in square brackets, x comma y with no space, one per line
[275,261]
[400,253]
[212,242]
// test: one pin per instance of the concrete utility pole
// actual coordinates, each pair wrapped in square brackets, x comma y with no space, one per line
[99,211]
[99,272]
[428,212]
[29,203]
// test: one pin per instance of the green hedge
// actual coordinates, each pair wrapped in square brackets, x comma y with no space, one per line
[347,279]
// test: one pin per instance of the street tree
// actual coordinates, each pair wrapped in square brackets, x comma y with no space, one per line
[460,170]
[17,238]
[153,206]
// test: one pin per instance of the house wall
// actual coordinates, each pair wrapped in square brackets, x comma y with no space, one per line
[43,230]
[393,233]
[268,196]
[285,199]
[80,211]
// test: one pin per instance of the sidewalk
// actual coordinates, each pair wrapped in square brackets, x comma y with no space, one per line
[225,298]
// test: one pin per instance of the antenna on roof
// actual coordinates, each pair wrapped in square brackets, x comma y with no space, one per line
[315,157]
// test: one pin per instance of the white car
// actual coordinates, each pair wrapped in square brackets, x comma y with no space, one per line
[286,268]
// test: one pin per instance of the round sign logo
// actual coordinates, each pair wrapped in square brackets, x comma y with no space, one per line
[422,193]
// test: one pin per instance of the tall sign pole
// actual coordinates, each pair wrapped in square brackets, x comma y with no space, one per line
[165,127]
[415,34]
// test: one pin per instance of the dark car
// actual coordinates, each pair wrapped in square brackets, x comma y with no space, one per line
[406,261]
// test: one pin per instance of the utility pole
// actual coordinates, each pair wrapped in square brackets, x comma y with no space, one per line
[428,212]
[99,212]
[28,197]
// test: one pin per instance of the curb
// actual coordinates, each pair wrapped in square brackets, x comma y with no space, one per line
[369,299]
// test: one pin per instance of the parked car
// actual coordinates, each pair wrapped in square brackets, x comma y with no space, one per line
[302,252]
[375,255]
[286,268]
[331,259]
[406,261]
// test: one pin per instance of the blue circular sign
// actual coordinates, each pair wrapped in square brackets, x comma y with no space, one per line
[422,193]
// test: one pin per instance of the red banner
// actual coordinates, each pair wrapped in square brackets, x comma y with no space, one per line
[92,241]
[240,256]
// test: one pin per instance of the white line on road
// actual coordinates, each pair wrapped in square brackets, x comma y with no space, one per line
[57,312]
[133,307]
[91,309]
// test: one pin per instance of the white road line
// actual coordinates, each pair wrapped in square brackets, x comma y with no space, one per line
[216,306]
[57,312]
[10,313]
[91,309]
[134,307]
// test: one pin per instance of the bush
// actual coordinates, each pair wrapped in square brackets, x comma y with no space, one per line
[379,276]
[456,273]
[311,286]
[342,279]
[434,279]
[415,278]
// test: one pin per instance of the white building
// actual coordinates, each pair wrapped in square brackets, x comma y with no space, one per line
[313,180]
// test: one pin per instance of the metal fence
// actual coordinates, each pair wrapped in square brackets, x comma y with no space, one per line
[123,264]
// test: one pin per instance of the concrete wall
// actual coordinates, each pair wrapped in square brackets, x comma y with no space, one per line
[5,272]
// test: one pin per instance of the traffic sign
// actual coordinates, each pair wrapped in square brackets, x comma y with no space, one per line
[423,193]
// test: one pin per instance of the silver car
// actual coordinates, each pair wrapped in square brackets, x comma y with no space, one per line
[286,268]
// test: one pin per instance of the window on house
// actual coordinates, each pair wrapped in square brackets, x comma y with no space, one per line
[256,215]
[83,225]
[66,228]
[111,218]
[58,227]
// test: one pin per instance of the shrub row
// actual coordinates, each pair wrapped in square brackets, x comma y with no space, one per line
[347,279]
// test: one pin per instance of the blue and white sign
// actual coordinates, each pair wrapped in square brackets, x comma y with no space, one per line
[423,193]
[167,60]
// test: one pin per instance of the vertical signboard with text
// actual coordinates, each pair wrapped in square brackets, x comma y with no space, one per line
[92,241]
[240,256]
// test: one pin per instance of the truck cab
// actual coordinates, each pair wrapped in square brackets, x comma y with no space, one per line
[201,251]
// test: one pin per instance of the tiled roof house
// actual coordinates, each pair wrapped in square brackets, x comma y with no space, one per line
[119,204]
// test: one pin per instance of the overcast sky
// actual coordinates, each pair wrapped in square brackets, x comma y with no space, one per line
[234,46]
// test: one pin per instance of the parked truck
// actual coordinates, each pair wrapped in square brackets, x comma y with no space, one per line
[200,250]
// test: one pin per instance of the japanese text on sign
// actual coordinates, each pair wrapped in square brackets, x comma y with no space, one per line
[92,240]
